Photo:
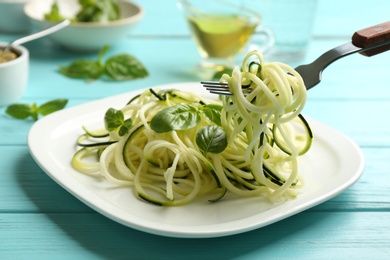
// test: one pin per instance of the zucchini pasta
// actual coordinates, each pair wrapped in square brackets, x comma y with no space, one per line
[172,147]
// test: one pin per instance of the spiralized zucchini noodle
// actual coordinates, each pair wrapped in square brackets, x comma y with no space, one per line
[172,147]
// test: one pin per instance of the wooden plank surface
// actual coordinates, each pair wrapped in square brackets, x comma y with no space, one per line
[310,235]
[40,220]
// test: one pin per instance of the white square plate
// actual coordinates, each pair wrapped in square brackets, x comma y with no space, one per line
[333,163]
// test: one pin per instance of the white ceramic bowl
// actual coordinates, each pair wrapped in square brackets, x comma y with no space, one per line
[84,36]
[12,17]
[14,76]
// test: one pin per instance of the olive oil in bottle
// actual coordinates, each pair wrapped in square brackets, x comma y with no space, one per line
[221,36]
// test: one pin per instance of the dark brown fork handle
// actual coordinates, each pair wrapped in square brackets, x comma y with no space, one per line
[372,35]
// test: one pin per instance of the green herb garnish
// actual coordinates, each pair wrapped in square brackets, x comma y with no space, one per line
[212,113]
[115,120]
[54,15]
[178,117]
[210,138]
[119,67]
[124,67]
[24,111]
[98,11]
[90,11]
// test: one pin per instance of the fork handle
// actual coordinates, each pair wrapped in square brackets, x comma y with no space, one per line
[371,36]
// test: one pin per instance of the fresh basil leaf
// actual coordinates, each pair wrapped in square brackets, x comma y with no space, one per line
[125,67]
[110,10]
[83,68]
[119,67]
[212,113]
[89,13]
[113,119]
[85,3]
[52,106]
[19,111]
[128,123]
[103,52]
[54,14]
[178,117]
[98,11]
[211,139]
[34,111]
[125,128]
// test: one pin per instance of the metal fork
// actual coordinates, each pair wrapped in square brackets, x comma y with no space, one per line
[369,41]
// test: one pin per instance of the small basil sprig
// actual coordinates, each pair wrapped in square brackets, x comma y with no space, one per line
[119,67]
[210,138]
[114,119]
[24,111]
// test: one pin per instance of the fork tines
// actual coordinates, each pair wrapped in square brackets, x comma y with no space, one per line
[220,88]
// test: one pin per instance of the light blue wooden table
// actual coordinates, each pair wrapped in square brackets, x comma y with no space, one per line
[40,220]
